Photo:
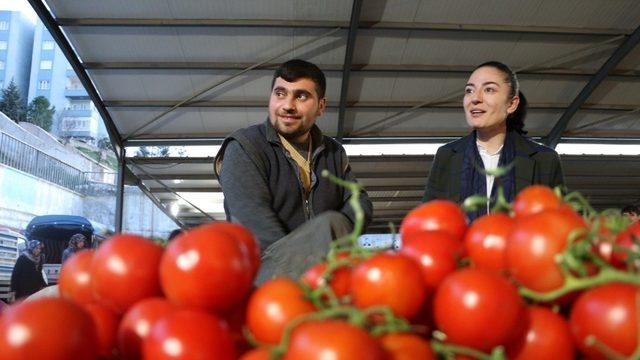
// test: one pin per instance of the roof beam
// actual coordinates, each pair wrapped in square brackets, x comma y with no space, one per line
[55,31]
[346,68]
[553,138]
[352,104]
[445,69]
[386,25]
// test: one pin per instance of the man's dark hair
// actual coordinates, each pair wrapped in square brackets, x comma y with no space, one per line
[297,69]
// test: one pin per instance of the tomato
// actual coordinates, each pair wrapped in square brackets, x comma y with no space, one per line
[407,346]
[547,333]
[189,334]
[124,270]
[137,323]
[261,353]
[608,312]
[335,339]
[236,319]
[389,279]
[627,241]
[47,328]
[486,241]
[75,278]
[442,215]
[206,268]
[340,278]
[478,308]
[242,235]
[435,252]
[535,242]
[272,306]
[106,323]
[534,199]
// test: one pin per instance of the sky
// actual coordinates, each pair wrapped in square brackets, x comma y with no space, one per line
[19,5]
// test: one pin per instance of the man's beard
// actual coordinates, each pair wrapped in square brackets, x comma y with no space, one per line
[299,131]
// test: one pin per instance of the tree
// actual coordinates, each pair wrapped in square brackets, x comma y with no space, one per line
[105,144]
[11,103]
[40,112]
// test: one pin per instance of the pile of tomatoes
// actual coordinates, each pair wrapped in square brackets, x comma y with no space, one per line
[538,280]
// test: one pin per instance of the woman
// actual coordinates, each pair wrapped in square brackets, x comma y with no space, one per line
[26,277]
[495,108]
[76,243]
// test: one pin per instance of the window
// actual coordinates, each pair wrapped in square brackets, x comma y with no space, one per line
[1,65]
[80,105]
[47,45]
[44,85]
[4,25]
[3,45]
[74,83]
[46,64]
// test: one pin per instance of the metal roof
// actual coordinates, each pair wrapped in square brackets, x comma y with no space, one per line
[167,72]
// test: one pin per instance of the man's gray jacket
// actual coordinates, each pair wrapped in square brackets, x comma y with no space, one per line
[262,187]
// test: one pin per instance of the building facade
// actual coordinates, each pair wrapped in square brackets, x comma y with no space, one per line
[16,42]
[53,78]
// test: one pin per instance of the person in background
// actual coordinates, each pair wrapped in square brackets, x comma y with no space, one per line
[495,109]
[76,243]
[271,176]
[26,278]
[174,233]
[632,212]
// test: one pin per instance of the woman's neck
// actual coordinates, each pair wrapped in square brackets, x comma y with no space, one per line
[491,139]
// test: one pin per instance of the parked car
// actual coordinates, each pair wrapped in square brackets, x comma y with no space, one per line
[55,230]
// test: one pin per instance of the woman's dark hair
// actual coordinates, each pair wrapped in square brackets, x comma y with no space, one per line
[297,69]
[515,120]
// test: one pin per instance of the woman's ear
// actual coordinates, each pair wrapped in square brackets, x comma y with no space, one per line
[513,104]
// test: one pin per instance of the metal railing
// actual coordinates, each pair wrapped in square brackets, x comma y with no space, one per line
[24,157]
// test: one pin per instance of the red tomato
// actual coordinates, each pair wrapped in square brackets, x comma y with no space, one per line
[608,312]
[406,346]
[106,323]
[478,308]
[442,215]
[137,323]
[47,328]
[244,236]
[272,306]
[435,252]
[257,354]
[627,241]
[533,245]
[124,270]
[189,334]
[340,278]
[75,278]
[389,279]
[206,268]
[486,241]
[534,199]
[236,319]
[547,333]
[313,340]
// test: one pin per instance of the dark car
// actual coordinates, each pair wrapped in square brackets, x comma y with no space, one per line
[55,231]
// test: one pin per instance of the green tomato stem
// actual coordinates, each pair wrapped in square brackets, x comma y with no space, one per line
[450,350]
[571,283]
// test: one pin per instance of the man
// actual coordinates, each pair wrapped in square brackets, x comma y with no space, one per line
[271,176]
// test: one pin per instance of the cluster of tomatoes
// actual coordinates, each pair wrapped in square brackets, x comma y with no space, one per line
[540,280]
